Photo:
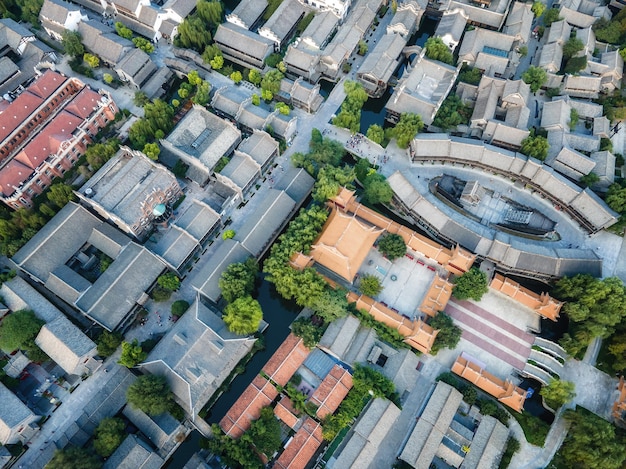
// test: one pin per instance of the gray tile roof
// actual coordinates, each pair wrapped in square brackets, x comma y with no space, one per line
[487,445]
[119,288]
[382,62]
[207,277]
[260,146]
[137,65]
[110,399]
[13,412]
[241,170]
[18,294]
[65,344]
[519,21]
[196,355]
[232,38]
[56,10]
[282,21]
[297,183]
[67,284]
[431,426]
[159,429]
[452,24]
[198,219]
[103,41]
[266,221]
[12,32]
[133,453]
[319,30]
[247,13]
[175,247]
[181,7]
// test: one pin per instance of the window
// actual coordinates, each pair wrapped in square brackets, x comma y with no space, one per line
[382,359]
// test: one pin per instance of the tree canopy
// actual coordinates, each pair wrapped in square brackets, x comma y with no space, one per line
[558,392]
[471,285]
[18,330]
[591,442]
[108,342]
[538,8]
[535,146]
[132,354]
[535,77]
[123,31]
[572,47]
[349,116]
[449,333]
[595,307]
[550,16]
[392,246]
[74,458]
[196,30]
[370,285]
[331,304]
[406,129]
[151,394]
[243,315]
[376,134]
[265,432]
[109,435]
[377,189]
[309,333]
[237,281]
[437,50]
[452,113]
[169,281]
[60,194]
[72,43]
[99,153]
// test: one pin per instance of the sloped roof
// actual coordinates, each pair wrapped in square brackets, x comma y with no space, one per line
[487,445]
[542,304]
[452,23]
[344,244]
[260,146]
[320,28]
[519,21]
[137,65]
[332,391]
[56,10]
[286,360]
[196,355]
[102,41]
[13,412]
[382,62]
[301,449]
[286,413]
[235,37]
[133,453]
[65,343]
[247,12]
[198,219]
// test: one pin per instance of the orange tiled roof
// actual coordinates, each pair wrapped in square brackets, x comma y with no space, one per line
[543,304]
[332,391]
[17,112]
[260,393]
[437,296]
[83,104]
[12,175]
[344,244]
[285,412]
[619,406]
[418,334]
[300,261]
[286,360]
[505,391]
[302,447]
[455,260]
[47,84]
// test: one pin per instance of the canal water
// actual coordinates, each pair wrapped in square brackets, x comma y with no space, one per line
[279,314]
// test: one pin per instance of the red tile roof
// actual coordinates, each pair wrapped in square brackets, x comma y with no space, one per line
[302,447]
[47,84]
[285,412]
[260,393]
[286,360]
[12,175]
[84,103]
[17,112]
[332,391]
[49,140]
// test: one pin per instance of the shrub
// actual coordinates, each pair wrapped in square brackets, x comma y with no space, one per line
[179,307]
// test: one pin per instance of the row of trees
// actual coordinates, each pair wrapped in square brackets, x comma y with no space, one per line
[349,116]
[243,313]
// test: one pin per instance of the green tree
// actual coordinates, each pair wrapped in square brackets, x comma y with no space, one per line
[194,78]
[572,47]
[591,442]
[143,44]
[331,304]
[273,59]
[210,52]
[283,108]
[471,285]
[179,307]
[575,65]
[573,119]
[202,93]
[256,99]
[243,315]
[377,189]
[152,151]
[132,354]
[228,234]
[589,179]
[237,281]
[255,77]
[449,333]
[452,113]
[376,134]
[109,435]
[535,146]
[550,16]
[329,180]
[362,47]
[193,34]
[18,330]
[29,10]
[92,60]
[349,116]
[107,78]
[523,51]
[99,153]
[557,393]
[210,12]
[169,281]
[140,99]
[610,32]
[406,129]
[72,44]
[271,81]
[236,77]
[74,458]
[123,31]
[265,432]
[108,342]
[437,50]
[470,75]
[307,331]
[535,77]
[370,285]
[267,95]
[217,63]
[151,394]
[392,246]
[60,194]
[538,9]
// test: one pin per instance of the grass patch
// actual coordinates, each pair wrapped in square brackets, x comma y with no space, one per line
[535,429]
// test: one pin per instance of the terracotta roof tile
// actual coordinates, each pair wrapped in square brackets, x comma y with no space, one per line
[84,103]
[332,391]
[302,447]
[12,175]
[47,84]
[286,360]
[17,112]
[260,393]
[285,412]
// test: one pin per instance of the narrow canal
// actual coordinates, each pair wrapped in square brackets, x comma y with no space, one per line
[279,314]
